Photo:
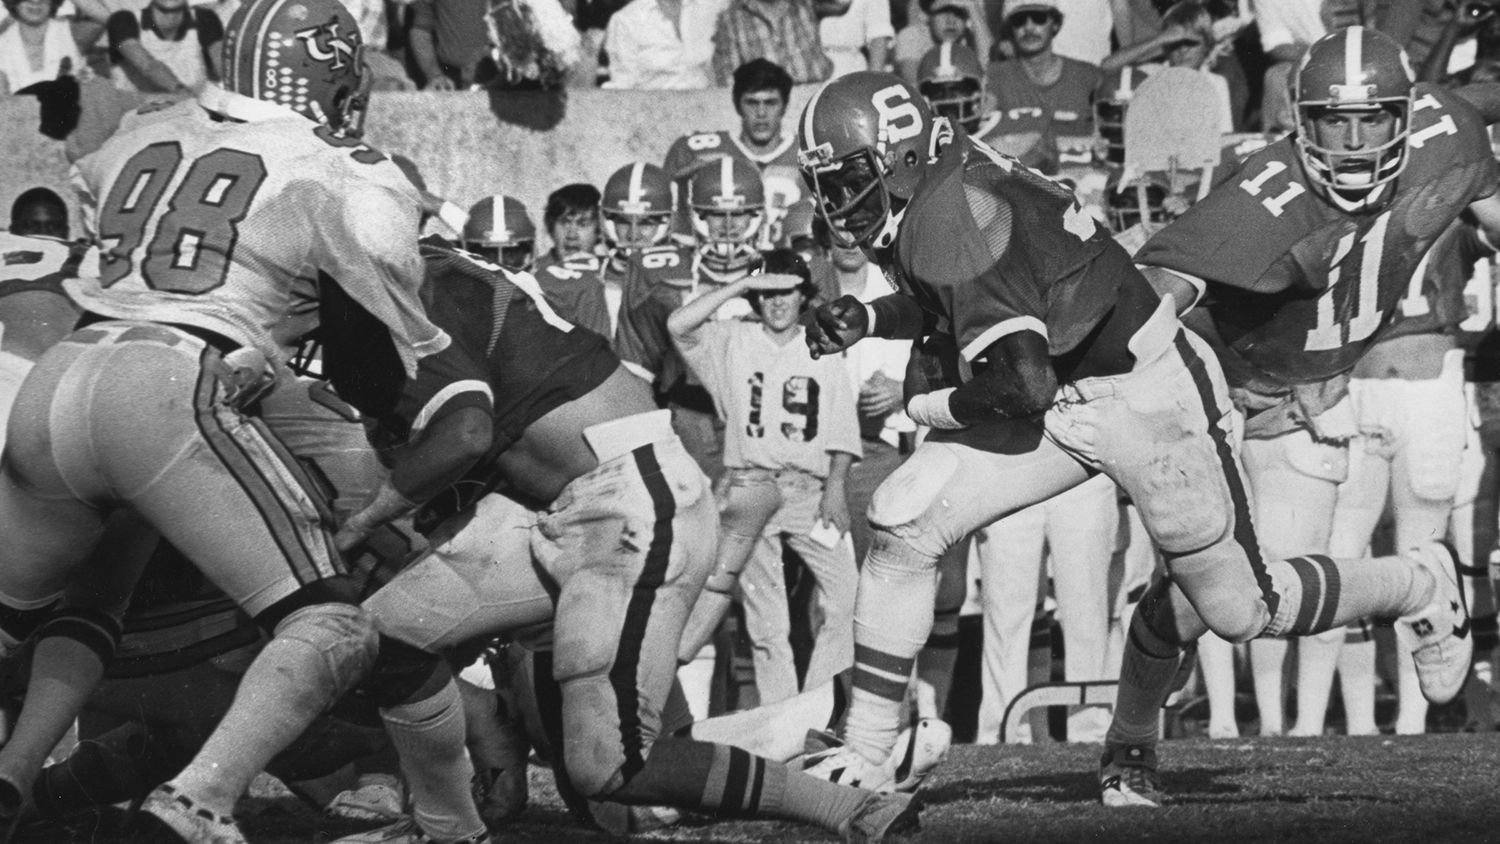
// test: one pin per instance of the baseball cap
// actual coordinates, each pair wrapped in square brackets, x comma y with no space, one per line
[1033,6]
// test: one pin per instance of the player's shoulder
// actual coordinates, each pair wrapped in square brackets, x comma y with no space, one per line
[693,147]
[669,265]
[1445,128]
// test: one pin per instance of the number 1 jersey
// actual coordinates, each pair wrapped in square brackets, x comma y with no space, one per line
[1298,288]
[228,226]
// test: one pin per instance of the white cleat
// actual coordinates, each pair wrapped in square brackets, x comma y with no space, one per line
[406,831]
[917,753]
[1438,635]
[379,799]
[192,823]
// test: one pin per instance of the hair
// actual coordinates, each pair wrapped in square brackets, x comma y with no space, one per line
[568,199]
[10,6]
[36,196]
[761,75]
[783,261]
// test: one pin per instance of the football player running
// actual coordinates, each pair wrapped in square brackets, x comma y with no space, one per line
[232,225]
[1305,252]
[605,532]
[1046,357]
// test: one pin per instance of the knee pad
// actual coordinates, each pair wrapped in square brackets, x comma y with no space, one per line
[910,491]
[1435,467]
[343,636]
[403,674]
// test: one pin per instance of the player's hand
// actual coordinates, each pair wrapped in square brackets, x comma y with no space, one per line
[833,508]
[879,396]
[837,326]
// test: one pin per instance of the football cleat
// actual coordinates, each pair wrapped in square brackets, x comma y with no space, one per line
[1438,635]
[406,831]
[166,807]
[918,751]
[379,798]
[1127,776]
[882,815]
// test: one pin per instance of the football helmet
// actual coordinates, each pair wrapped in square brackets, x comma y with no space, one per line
[951,79]
[1359,70]
[500,231]
[865,141]
[1111,99]
[1123,206]
[637,208]
[303,54]
[727,200]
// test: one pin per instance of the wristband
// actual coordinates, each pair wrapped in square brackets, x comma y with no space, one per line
[870,312]
[931,409]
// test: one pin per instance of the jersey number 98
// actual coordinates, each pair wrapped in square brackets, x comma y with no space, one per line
[196,235]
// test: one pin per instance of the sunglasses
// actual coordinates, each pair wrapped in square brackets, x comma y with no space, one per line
[1037,17]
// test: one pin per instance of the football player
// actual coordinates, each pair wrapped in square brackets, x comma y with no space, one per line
[791,434]
[727,201]
[1305,252]
[610,547]
[951,78]
[761,91]
[1046,357]
[232,224]
[500,230]
[571,271]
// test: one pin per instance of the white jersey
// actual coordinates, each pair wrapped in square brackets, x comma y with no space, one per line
[781,408]
[228,224]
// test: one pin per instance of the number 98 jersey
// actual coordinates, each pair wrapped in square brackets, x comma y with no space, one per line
[1298,288]
[227,226]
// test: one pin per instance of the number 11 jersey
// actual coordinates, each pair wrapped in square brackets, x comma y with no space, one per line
[1298,288]
[229,226]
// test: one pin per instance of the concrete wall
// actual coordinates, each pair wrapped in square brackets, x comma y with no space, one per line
[467,145]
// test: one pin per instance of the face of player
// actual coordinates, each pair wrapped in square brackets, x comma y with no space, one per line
[40,219]
[727,227]
[1345,131]
[760,116]
[779,310]
[1032,31]
[32,12]
[853,195]
[575,233]
[947,26]
[638,232]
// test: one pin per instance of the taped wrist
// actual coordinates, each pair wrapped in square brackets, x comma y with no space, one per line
[94,629]
[933,410]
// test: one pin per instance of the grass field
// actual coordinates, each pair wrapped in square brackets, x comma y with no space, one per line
[1436,788]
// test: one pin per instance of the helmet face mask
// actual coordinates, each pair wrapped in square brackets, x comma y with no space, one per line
[958,100]
[951,79]
[500,231]
[727,203]
[853,197]
[636,208]
[1353,99]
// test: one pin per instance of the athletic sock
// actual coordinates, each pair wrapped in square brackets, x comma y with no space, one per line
[892,620]
[429,738]
[1320,593]
[935,663]
[1146,674]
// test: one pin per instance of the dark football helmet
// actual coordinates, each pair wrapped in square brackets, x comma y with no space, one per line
[302,54]
[1360,70]
[636,208]
[499,230]
[952,80]
[728,202]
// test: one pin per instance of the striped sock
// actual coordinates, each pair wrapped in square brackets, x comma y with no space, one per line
[892,620]
[1319,593]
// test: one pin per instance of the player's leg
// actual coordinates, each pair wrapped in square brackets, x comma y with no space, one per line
[768,619]
[1082,524]
[1473,529]
[1009,553]
[952,484]
[835,579]
[935,662]
[778,731]
[619,620]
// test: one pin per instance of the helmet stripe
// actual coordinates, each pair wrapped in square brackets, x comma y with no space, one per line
[1354,58]
[726,176]
[263,26]
[808,141]
[498,231]
[636,193]
[945,68]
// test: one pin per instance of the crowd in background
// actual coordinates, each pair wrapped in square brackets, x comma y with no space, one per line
[1032,69]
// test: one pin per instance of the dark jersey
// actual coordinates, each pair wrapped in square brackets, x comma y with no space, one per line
[1435,298]
[512,355]
[989,247]
[658,282]
[1297,287]
[575,288]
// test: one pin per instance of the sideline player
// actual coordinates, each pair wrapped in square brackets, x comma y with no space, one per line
[1045,358]
[233,224]
[605,532]
[1306,251]
[791,434]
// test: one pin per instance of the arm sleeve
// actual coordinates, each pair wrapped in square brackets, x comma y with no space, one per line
[423,16]
[210,28]
[122,26]
[705,349]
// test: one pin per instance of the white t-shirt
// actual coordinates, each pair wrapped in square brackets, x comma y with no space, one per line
[57,45]
[845,35]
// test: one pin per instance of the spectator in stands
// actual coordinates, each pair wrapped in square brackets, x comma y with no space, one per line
[784,31]
[940,22]
[1186,40]
[662,44]
[1087,36]
[448,39]
[571,219]
[860,38]
[1287,27]
[1037,84]
[37,46]
[39,212]
[374,31]
[165,48]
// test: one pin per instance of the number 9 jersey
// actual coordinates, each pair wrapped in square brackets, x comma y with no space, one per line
[228,226]
[1297,287]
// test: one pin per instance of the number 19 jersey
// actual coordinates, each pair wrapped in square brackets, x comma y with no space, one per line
[1298,288]
[228,226]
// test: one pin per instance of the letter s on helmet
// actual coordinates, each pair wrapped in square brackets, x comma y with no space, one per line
[865,139]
